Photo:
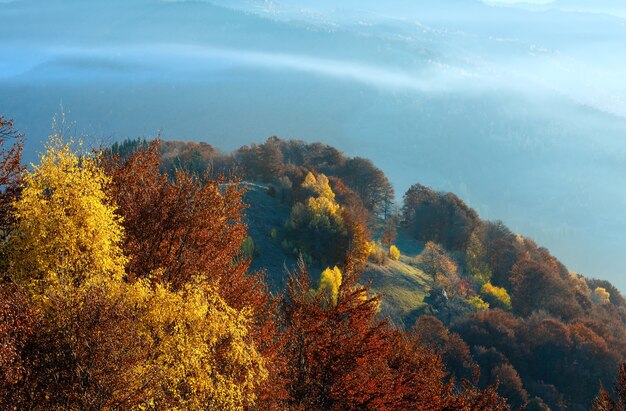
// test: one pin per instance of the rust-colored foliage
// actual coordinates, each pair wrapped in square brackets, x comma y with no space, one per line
[177,229]
[358,239]
[10,166]
[340,356]
[17,324]
[453,350]
[389,233]
[538,286]
[604,402]
[180,228]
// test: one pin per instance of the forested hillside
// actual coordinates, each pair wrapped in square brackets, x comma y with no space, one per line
[284,275]
[128,288]
[483,297]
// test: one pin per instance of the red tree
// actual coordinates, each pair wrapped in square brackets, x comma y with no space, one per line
[184,227]
[340,356]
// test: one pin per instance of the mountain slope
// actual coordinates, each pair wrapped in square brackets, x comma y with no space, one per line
[401,284]
[483,295]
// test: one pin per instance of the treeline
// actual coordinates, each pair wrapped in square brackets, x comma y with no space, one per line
[336,201]
[550,336]
[284,163]
[126,287]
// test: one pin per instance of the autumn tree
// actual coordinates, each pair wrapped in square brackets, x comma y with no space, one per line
[389,234]
[11,143]
[262,162]
[65,253]
[185,228]
[102,341]
[394,253]
[499,248]
[355,217]
[437,263]
[10,153]
[330,281]
[177,228]
[342,357]
[64,203]
[453,350]
[496,296]
[18,322]
[439,217]
[195,158]
[316,227]
[476,258]
[331,340]
[537,286]
[359,245]
[557,362]
[615,297]
[370,183]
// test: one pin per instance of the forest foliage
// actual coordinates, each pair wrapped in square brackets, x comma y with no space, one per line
[511,313]
[126,286]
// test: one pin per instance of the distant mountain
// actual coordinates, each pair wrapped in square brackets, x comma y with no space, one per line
[609,7]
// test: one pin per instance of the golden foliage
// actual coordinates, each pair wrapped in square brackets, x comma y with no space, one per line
[434,260]
[601,296]
[316,228]
[319,185]
[202,354]
[371,247]
[67,231]
[478,303]
[394,253]
[323,203]
[330,281]
[498,294]
[105,342]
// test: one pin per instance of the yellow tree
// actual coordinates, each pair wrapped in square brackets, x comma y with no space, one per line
[202,353]
[322,204]
[330,281]
[496,296]
[104,341]
[316,228]
[67,230]
[65,253]
[394,253]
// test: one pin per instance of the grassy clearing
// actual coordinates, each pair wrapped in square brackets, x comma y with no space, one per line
[401,285]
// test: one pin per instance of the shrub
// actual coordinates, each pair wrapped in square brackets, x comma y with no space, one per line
[496,296]
[394,253]
[478,304]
